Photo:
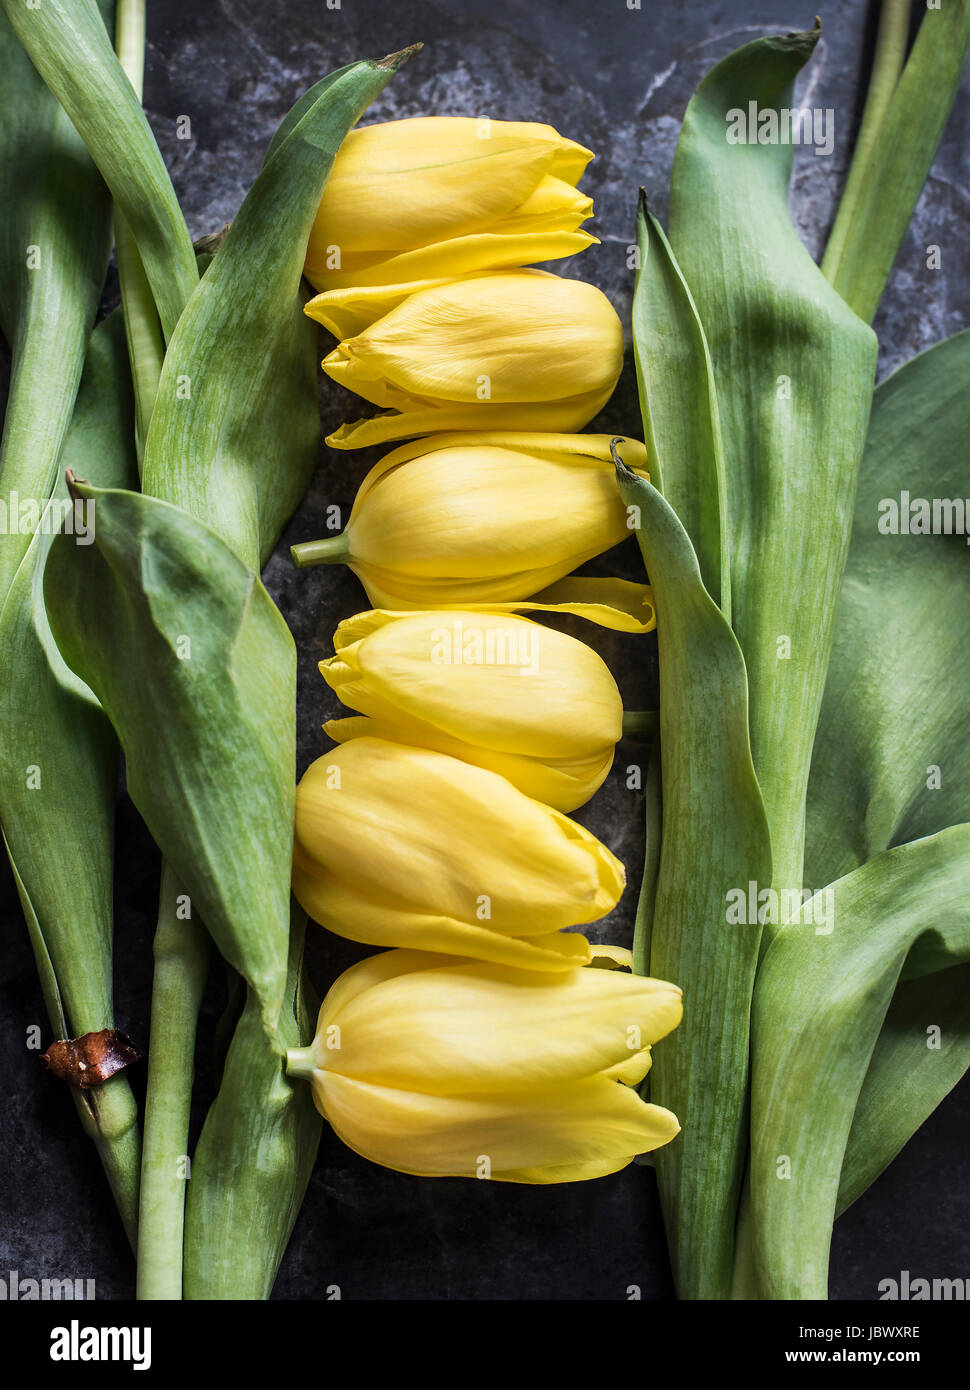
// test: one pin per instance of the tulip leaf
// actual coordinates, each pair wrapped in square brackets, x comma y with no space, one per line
[278,1124]
[870,230]
[59,761]
[194,666]
[235,432]
[892,754]
[678,402]
[794,369]
[910,1072]
[900,918]
[715,840]
[55,236]
[58,756]
[70,48]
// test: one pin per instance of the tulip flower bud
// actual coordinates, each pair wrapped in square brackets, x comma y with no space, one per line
[513,350]
[468,519]
[440,197]
[499,691]
[453,1068]
[405,846]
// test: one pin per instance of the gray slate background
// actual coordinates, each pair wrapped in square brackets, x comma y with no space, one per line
[618,81]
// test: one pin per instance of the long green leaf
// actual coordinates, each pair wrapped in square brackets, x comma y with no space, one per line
[174,633]
[821,1000]
[678,402]
[59,759]
[794,371]
[870,230]
[922,1052]
[237,1227]
[715,840]
[70,48]
[892,755]
[54,243]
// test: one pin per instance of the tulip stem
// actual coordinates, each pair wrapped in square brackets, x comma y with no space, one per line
[335,550]
[181,964]
[887,65]
[640,723]
[143,331]
[300,1061]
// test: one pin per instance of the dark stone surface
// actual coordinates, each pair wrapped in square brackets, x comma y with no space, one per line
[617,80]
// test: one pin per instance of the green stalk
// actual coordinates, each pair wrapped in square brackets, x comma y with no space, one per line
[901,143]
[640,723]
[69,46]
[887,64]
[333,550]
[181,964]
[181,947]
[146,348]
[55,203]
[109,1117]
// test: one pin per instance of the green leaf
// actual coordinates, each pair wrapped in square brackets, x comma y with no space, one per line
[909,1074]
[820,1003]
[895,709]
[55,236]
[873,221]
[715,840]
[195,668]
[896,701]
[235,432]
[70,48]
[794,371]
[58,821]
[678,402]
[255,1154]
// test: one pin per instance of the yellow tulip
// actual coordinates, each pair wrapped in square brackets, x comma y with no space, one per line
[490,518]
[440,196]
[445,1067]
[513,350]
[507,694]
[404,846]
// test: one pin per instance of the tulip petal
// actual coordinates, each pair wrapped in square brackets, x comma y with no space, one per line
[564,785]
[492,344]
[562,1134]
[582,449]
[455,521]
[481,1028]
[373,970]
[347,312]
[350,915]
[495,689]
[413,197]
[456,259]
[565,416]
[616,603]
[399,845]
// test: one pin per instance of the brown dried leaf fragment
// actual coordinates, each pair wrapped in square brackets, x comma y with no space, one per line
[92,1058]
